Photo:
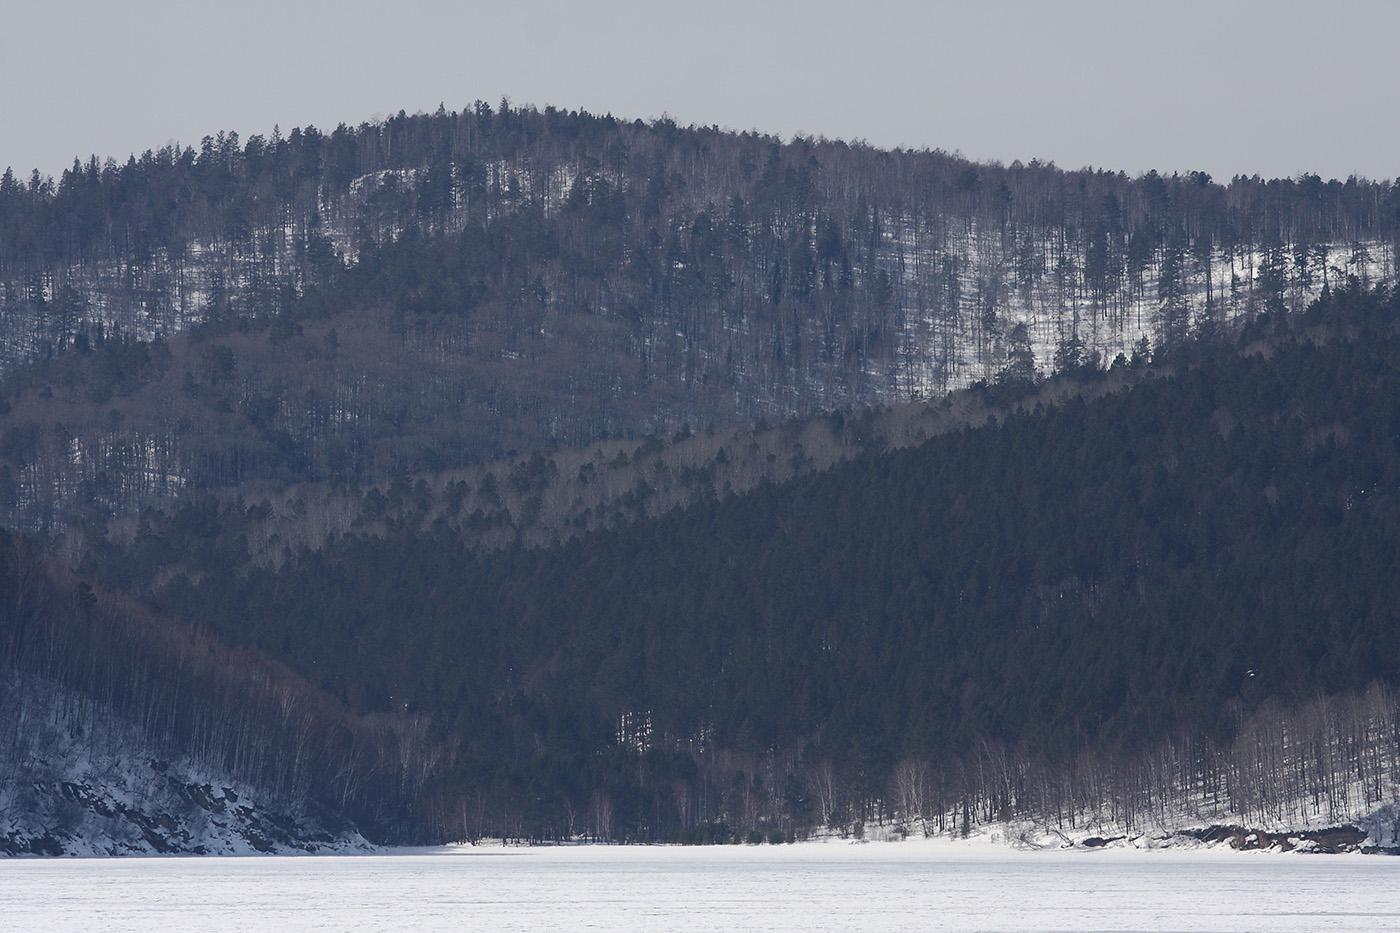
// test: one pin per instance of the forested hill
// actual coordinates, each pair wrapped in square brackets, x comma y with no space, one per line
[440,289]
[1093,576]
[315,394]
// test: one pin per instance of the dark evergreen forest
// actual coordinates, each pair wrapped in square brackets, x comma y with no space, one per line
[1092,575]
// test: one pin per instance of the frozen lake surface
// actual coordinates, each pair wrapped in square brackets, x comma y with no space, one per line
[830,886]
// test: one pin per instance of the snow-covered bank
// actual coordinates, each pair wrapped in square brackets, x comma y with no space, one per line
[151,807]
[1372,835]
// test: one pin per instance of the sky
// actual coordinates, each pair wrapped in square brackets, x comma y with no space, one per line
[1250,87]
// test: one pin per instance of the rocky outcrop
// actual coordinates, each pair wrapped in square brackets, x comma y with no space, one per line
[75,780]
[1331,840]
[150,813]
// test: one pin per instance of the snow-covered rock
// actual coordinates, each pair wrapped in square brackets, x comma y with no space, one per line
[76,781]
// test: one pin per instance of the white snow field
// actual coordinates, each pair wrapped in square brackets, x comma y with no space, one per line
[817,886]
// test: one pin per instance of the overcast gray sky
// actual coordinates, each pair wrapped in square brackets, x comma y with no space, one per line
[1274,88]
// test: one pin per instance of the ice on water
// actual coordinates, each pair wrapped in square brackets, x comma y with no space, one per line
[835,885]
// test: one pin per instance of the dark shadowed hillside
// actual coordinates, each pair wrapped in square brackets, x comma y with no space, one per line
[124,729]
[1088,577]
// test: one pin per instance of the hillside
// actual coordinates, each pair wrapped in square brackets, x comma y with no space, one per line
[128,731]
[1092,576]
[436,291]
[547,475]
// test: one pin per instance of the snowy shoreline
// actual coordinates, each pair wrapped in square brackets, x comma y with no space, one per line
[1342,839]
[831,884]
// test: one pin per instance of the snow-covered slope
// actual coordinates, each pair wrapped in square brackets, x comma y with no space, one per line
[76,781]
